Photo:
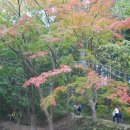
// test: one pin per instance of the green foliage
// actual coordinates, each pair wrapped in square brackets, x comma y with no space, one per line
[58,114]
[103,111]
[69,60]
[122,9]
[98,47]
[126,116]
[115,56]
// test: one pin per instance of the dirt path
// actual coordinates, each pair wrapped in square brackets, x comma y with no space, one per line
[125,126]
[60,125]
[9,125]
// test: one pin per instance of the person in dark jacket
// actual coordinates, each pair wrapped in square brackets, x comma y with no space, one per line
[79,109]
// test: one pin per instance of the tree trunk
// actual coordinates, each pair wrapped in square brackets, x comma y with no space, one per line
[49,118]
[50,124]
[32,109]
[47,114]
[93,108]
[33,122]
[68,102]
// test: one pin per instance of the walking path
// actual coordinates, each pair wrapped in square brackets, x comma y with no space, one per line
[104,121]
[62,124]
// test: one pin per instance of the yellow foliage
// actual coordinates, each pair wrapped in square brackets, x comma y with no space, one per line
[80,90]
[128,110]
[80,67]
[60,89]
[51,99]
[72,98]
[48,101]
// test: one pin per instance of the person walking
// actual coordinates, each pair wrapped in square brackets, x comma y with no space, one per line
[79,109]
[116,112]
[75,109]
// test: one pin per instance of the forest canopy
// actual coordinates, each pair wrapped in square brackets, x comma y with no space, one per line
[57,53]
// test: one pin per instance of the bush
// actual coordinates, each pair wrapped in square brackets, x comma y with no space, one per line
[103,111]
[58,114]
[126,117]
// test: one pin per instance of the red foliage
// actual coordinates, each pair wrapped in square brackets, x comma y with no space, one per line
[42,78]
[13,31]
[90,14]
[32,55]
[119,36]
[39,54]
[122,93]
[119,25]
[94,81]
[24,20]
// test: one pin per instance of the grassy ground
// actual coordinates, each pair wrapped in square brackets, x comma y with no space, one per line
[71,122]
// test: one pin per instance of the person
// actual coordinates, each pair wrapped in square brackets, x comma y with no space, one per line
[75,109]
[116,115]
[79,109]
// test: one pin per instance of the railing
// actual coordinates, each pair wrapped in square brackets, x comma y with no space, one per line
[104,70]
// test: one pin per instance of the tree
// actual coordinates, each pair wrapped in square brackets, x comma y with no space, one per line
[23,35]
[45,34]
[37,81]
[21,39]
[88,87]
